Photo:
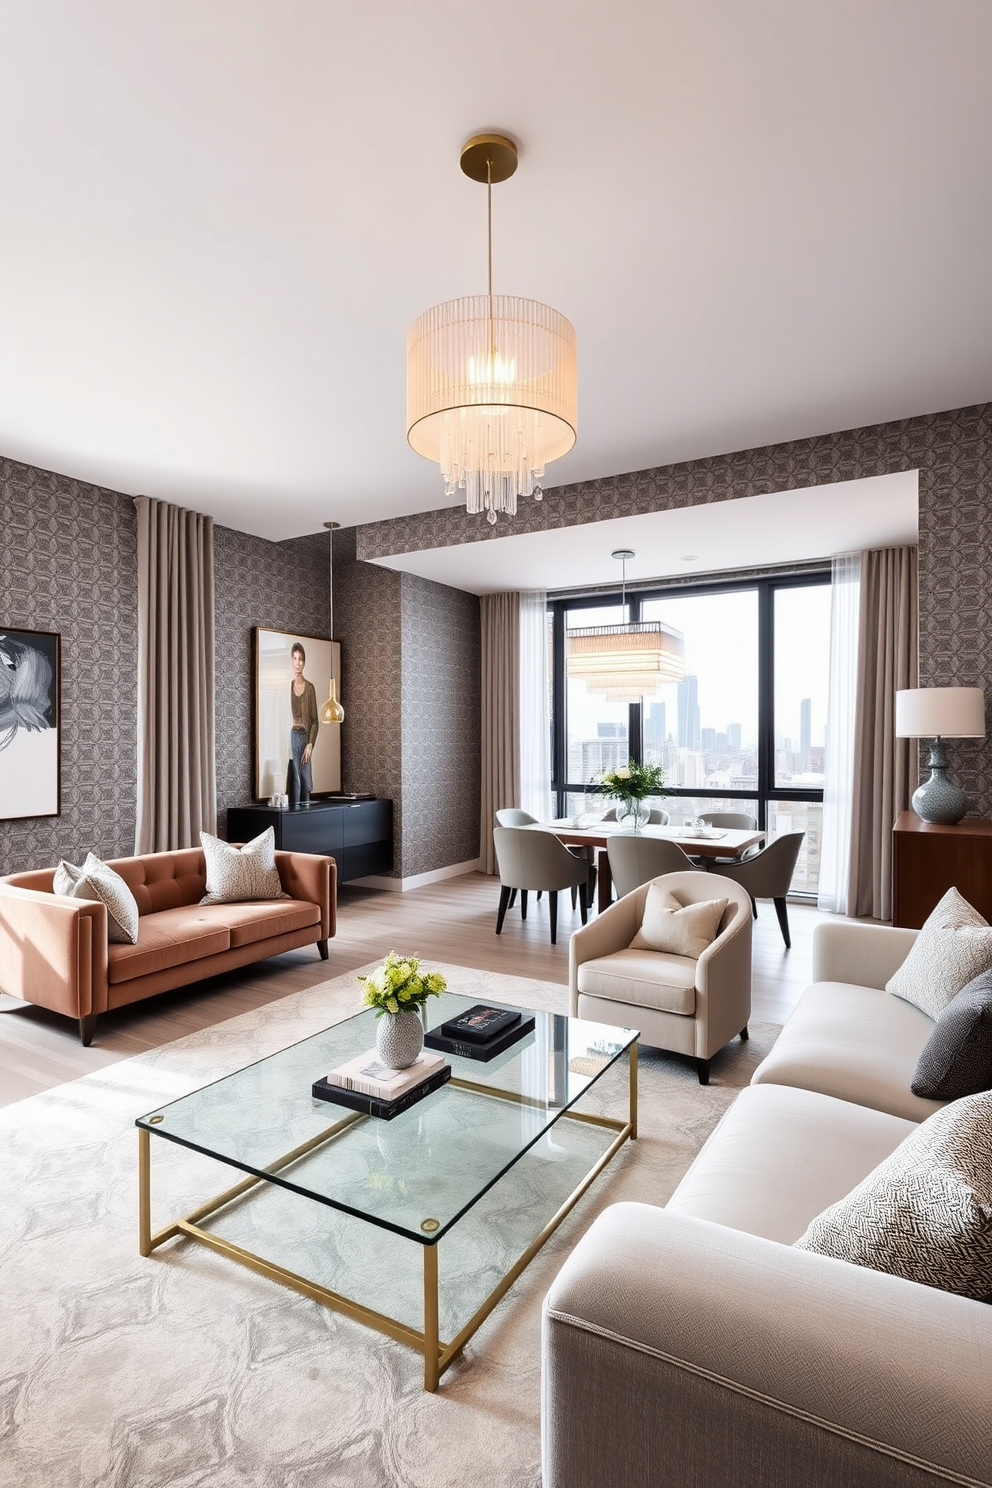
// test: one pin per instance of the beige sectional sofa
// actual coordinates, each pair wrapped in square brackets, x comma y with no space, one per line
[54,950]
[692,1345]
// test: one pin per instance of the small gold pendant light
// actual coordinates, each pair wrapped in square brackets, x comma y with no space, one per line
[332,711]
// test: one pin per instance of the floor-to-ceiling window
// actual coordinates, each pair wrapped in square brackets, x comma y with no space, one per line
[743,730]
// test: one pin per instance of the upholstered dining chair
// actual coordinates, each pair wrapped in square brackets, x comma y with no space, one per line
[634,859]
[692,999]
[514,816]
[536,860]
[657,817]
[741,821]
[768,875]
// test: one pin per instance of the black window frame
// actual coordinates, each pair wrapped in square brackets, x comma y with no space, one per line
[766,587]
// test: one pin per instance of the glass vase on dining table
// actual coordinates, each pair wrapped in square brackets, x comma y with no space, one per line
[632,814]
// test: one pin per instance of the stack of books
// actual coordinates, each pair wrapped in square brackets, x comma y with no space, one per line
[480,1033]
[366,1084]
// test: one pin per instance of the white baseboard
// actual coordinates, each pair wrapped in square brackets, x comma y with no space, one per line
[417,880]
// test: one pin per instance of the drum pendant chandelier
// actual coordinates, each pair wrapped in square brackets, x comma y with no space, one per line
[491,380]
[628,661]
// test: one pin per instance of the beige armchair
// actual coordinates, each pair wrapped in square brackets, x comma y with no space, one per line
[692,1007]
[536,860]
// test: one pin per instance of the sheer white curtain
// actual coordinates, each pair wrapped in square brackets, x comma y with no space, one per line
[838,783]
[535,723]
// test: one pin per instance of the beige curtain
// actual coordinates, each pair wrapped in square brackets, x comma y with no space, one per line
[884,767]
[176,763]
[500,714]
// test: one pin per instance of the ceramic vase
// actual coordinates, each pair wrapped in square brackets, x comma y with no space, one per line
[399,1038]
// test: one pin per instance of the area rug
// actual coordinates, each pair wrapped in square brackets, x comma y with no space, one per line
[186,1371]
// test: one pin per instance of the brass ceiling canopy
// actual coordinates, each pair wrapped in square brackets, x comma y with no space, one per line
[489,158]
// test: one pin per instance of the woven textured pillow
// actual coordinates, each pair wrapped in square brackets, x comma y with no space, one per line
[94,880]
[954,945]
[681,930]
[925,1213]
[956,1059]
[238,874]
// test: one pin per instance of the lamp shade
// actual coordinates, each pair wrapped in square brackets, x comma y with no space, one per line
[940,713]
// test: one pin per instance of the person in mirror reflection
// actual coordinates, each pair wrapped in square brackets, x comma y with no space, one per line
[303,735]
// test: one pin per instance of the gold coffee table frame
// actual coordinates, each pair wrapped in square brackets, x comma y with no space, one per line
[437,1354]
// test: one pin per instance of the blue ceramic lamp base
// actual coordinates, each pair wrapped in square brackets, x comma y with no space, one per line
[938,800]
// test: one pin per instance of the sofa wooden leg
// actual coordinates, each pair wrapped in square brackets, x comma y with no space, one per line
[322,948]
[703,1071]
[744,1034]
[87,1028]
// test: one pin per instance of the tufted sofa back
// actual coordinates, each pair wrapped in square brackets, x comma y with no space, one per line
[163,880]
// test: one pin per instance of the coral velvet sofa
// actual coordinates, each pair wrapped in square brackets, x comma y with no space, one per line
[54,950]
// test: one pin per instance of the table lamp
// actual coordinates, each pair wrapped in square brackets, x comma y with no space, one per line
[939,713]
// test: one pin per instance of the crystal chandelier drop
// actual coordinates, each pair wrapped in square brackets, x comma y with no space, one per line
[625,662]
[492,381]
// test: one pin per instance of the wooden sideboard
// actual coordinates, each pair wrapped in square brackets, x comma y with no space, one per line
[928,859]
[358,835]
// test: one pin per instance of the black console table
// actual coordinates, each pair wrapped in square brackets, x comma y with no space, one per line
[358,835]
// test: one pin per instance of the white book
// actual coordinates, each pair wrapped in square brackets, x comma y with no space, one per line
[367,1075]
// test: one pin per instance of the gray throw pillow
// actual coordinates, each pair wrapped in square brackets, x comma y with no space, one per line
[925,1213]
[954,945]
[956,1059]
[237,874]
[94,880]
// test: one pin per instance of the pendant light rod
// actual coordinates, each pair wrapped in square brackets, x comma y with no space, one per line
[623,554]
[332,711]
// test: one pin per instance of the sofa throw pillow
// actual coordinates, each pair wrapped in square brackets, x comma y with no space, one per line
[954,945]
[925,1213]
[237,874]
[956,1059]
[680,930]
[94,880]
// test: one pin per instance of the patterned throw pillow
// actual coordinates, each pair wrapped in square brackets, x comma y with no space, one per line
[954,945]
[94,880]
[956,1059]
[237,874]
[681,930]
[925,1213]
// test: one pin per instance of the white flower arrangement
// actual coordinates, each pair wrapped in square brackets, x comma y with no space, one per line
[398,986]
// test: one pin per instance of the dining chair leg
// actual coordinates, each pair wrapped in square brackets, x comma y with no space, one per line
[754,907]
[513,899]
[553,910]
[574,893]
[783,920]
[583,902]
[523,904]
[505,899]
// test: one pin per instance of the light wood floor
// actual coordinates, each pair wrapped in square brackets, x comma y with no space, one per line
[452,921]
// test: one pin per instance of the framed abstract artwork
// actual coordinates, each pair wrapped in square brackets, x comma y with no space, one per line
[291,676]
[30,724]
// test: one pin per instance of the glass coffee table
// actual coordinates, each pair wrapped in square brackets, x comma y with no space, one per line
[469,1164]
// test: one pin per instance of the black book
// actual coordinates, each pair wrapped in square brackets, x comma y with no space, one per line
[480,1024]
[385,1109]
[437,1039]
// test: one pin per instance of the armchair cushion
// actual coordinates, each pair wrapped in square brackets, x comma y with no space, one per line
[94,880]
[679,930]
[925,1213]
[954,945]
[642,978]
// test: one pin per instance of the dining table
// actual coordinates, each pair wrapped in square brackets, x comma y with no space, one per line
[705,844]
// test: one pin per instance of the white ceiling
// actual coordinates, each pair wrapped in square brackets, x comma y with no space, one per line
[754,532]
[765,220]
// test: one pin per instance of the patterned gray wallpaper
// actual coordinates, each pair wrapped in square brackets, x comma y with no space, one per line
[67,563]
[952,452]
[441,720]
